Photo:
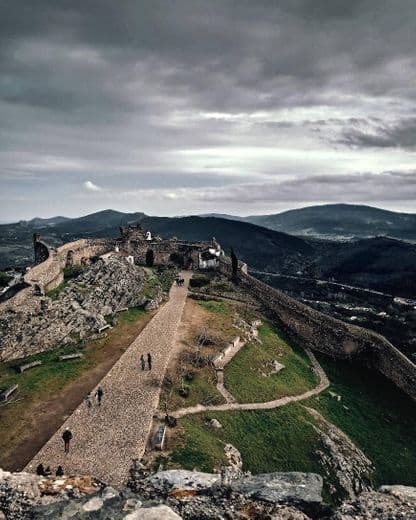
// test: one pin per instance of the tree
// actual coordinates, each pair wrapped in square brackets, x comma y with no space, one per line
[150,258]
[234,263]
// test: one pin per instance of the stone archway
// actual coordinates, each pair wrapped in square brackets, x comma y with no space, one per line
[177,259]
[150,258]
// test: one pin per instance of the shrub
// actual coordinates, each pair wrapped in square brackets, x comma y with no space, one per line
[199,280]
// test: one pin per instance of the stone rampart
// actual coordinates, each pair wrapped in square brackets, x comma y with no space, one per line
[330,336]
[165,252]
[49,274]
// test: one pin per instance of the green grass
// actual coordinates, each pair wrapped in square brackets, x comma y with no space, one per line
[275,440]
[220,307]
[202,390]
[54,293]
[243,375]
[52,371]
[377,416]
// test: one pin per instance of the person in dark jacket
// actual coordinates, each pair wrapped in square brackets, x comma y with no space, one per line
[142,362]
[40,470]
[59,471]
[67,436]
[99,395]
[149,360]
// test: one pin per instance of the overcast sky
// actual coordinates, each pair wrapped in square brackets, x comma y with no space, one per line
[194,106]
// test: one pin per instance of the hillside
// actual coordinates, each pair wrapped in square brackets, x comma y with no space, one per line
[341,221]
[380,263]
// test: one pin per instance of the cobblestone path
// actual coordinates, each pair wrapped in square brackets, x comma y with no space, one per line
[107,438]
[322,385]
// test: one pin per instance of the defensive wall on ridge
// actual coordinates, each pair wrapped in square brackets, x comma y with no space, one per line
[48,274]
[322,333]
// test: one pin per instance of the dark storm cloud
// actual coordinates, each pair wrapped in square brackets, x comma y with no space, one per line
[385,186]
[145,90]
[401,134]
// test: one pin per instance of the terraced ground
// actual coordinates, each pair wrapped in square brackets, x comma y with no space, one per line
[377,416]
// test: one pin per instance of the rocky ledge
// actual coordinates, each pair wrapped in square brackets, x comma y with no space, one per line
[78,311]
[176,494]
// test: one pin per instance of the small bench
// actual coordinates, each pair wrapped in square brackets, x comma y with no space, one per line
[104,327]
[22,368]
[160,437]
[71,356]
[5,394]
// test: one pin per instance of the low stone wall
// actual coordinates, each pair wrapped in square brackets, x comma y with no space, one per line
[330,336]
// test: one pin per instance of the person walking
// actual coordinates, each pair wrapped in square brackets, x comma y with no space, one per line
[40,470]
[87,400]
[67,436]
[142,362]
[149,360]
[99,395]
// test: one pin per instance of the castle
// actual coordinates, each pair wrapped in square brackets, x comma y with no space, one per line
[307,326]
[145,249]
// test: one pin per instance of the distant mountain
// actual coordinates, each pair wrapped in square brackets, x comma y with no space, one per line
[43,222]
[340,221]
[383,264]
[256,245]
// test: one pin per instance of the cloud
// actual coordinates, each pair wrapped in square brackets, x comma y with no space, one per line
[200,96]
[90,186]
[401,134]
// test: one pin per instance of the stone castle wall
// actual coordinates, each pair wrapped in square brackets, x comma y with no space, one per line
[330,336]
[49,274]
[165,251]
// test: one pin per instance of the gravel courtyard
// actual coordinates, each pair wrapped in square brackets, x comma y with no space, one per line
[107,438]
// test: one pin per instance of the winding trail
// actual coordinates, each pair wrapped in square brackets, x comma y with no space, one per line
[322,385]
[107,438]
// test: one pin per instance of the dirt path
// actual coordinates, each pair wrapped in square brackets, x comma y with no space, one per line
[323,385]
[107,438]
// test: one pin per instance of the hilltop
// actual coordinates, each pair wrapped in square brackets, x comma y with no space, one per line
[336,221]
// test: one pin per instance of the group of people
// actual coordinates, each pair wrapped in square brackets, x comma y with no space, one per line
[180,282]
[42,472]
[99,394]
[143,362]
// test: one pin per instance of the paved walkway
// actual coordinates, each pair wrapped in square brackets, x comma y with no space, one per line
[323,385]
[107,438]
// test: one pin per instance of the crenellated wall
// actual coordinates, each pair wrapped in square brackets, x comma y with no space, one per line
[328,335]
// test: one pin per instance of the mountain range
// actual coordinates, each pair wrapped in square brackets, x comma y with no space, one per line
[337,221]
[380,263]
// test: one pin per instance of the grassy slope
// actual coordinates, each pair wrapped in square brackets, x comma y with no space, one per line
[275,440]
[378,417]
[243,375]
[217,322]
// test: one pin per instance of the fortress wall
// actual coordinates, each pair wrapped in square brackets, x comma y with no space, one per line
[49,274]
[330,336]
[163,250]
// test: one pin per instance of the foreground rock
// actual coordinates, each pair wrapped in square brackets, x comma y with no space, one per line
[176,494]
[342,460]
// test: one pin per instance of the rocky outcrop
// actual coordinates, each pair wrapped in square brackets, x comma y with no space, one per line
[389,503]
[78,311]
[170,495]
[341,459]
